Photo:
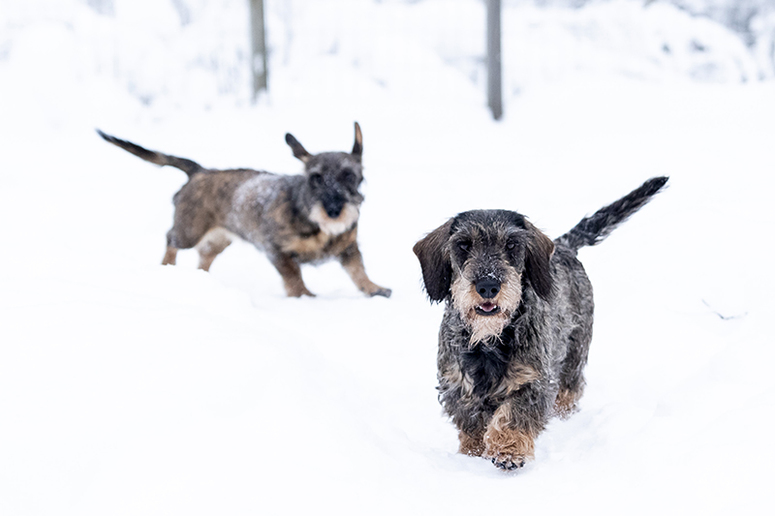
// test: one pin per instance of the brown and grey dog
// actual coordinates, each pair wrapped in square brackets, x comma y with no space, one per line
[295,219]
[516,330]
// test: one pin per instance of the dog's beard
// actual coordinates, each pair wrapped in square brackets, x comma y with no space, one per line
[334,226]
[466,301]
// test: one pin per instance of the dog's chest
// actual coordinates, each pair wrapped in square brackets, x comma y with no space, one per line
[485,367]
[490,371]
[304,245]
[317,246]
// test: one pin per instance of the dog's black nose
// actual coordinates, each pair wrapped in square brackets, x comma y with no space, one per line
[488,288]
[333,204]
[333,211]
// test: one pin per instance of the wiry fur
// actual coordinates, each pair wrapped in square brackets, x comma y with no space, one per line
[516,330]
[294,219]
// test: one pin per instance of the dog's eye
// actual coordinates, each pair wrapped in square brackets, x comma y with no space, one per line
[315,179]
[347,176]
[464,246]
[510,246]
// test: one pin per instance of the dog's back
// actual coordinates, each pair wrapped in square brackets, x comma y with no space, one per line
[207,200]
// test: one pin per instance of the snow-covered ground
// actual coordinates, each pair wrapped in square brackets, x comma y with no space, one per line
[131,388]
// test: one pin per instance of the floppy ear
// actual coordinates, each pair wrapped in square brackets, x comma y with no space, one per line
[298,151]
[358,145]
[540,249]
[435,263]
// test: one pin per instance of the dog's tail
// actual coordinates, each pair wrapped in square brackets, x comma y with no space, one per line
[593,230]
[186,165]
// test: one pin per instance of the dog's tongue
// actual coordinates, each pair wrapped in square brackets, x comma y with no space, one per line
[488,307]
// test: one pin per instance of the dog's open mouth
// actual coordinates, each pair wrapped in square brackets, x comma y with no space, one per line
[488,308]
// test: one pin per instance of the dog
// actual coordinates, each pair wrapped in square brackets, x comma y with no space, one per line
[517,324]
[294,219]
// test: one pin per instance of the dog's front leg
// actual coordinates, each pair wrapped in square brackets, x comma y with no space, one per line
[291,273]
[509,440]
[471,442]
[352,261]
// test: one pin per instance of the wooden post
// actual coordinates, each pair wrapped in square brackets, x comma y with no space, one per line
[258,47]
[494,95]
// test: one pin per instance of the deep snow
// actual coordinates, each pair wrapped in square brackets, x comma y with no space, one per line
[131,388]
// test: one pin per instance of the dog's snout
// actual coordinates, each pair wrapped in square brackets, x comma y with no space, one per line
[488,288]
[333,203]
[334,208]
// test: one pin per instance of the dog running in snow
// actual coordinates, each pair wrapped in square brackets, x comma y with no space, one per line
[516,330]
[294,219]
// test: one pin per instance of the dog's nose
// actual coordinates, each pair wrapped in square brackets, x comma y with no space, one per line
[334,204]
[488,288]
[333,211]
[333,207]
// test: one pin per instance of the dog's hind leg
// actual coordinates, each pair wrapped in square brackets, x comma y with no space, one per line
[572,375]
[170,256]
[181,236]
[211,245]
[291,274]
[567,401]
[352,261]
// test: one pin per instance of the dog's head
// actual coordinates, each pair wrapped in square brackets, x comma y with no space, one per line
[332,182]
[484,260]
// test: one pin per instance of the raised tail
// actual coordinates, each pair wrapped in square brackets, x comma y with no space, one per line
[593,230]
[186,165]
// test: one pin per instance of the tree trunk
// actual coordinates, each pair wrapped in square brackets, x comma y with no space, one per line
[494,95]
[258,47]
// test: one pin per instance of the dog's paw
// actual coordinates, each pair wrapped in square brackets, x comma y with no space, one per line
[381,291]
[508,449]
[299,292]
[566,403]
[508,462]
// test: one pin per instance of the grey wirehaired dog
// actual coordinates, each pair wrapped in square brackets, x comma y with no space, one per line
[295,219]
[516,330]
